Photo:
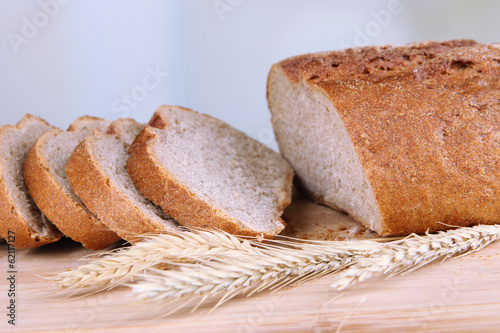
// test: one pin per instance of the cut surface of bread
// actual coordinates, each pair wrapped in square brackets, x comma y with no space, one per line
[306,219]
[125,130]
[97,173]
[404,139]
[49,186]
[21,222]
[204,173]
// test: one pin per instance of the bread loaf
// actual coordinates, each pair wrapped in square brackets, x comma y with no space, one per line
[405,139]
[21,222]
[204,173]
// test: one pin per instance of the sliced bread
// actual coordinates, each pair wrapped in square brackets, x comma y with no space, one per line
[306,219]
[125,130]
[49,186]
[204,173]
[97,173]
[405,139]
[21,222]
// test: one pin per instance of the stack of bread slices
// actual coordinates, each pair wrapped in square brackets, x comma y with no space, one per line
[101,181]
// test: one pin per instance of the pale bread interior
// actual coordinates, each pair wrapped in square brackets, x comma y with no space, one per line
[125,129]
[225,168]
[14,148]
[112,155]
[312,136]
[59,146]
[306,219]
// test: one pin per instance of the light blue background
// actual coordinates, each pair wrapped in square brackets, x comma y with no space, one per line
[85,56]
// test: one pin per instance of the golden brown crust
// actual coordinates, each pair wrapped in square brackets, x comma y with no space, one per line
[12,219]
[366,63]
[427,135]
[74,220]
[177,200]
[102,197]
[81,122]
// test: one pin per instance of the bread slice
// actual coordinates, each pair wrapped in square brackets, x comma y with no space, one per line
[306,219]
[405,139]
[51,190]
[204,173]
[97,173]
[21,222]
[125,130]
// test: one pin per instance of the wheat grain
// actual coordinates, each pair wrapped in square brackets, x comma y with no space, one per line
[118,267]
[108,270]
[404,256]
[277,266]
[210,264]
[278,263]
[245,273]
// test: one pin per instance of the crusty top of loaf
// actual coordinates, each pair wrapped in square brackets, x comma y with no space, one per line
[428,135]
[367,63]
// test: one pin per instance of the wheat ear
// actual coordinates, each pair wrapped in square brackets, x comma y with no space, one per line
[283,263]
[118,267]
[278,263]
[416,251]
[108,270]
[215,264]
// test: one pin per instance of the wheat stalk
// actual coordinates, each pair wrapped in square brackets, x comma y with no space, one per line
[110,269]
[119,267]
[209,263]
[274,267]
[416,251]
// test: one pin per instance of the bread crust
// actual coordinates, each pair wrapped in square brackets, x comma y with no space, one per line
[427,135]
[82,122]
[12,218]
[102,197]
[365,63]
[175,198]
[58,205]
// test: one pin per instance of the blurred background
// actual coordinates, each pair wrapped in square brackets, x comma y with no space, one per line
[61,59]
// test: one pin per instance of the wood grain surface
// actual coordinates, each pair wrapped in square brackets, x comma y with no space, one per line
[461,295]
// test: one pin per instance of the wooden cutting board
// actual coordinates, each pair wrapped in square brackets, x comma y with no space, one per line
[461,295]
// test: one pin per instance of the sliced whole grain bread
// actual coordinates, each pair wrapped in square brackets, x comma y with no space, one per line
[49,186]
[405,139]
[97,173]
[306,219]
[21,222]
[125,130]
[204,173]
